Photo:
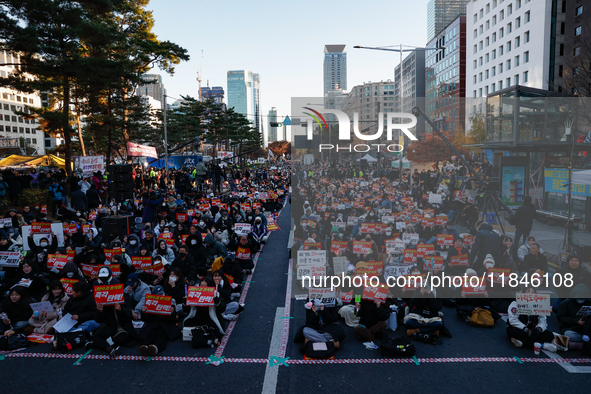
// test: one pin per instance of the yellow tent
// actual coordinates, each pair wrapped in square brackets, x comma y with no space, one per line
[47,161]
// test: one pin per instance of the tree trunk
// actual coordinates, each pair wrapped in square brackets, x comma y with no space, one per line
[66,123]
[110,143]
[79,124]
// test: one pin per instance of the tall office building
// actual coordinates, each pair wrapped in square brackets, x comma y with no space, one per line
[441,13]
[335,68]
[216,93]
[572,50]
[152,87]
[244,95]
[446,77]
[272,132]
[413,87]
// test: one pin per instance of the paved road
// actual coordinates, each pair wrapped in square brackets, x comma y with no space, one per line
[256,337]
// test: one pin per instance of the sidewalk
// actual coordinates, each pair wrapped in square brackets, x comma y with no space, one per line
[550,239]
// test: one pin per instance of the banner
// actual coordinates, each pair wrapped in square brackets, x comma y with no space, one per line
[322,296]
[339,246]
[40,227]
[242,228]
[445,239]
[496,275]
[474,290]
[379,293]
[410,256]
[108,294]
[200,296]
[111,252]
[156,269]
[361,247]
[158,304]
[141,262]
[115,269]
[425,249]
[10,259]
[88,165]
[68,283]
[433,263]
[90,271]
[395,247]
[136,150]
[57,261]
[460,260]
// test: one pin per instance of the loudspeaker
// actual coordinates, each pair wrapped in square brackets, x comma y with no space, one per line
[121,196]
[117,226]
[119,169]
[122,178]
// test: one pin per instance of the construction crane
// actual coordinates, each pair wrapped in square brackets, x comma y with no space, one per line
[199,76]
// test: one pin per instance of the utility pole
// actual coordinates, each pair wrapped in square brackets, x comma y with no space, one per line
[164,110]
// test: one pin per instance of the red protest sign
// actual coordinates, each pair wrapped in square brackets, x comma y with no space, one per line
[115,269]
[460,260]
[112,252]
[90,271]
[71,254]
[40,227]
[425,222]
[311,245]
[445,239]
[57,261]
[367,228]
[44,209]
[433,263]
[378,293]
[429,211]
[181,217]
[92,215]
[406,200]
[361,247]
[339,246]
[156,269]
[216,202]
[158,304]
[256,205]
[468,240]
[414,281]
[416,218]
[69,228]
[141,262]
[203,207]
[68,283]
[191,212]
[374,268]
[474,285]
[108,294]
[86,228]
[441,221]
[425,249]
[200,296]
[496,275]
[245,206]
[410,256]
[165,235]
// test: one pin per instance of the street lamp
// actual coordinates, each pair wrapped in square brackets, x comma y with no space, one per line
[400,50]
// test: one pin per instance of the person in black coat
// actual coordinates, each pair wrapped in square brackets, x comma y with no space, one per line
[93,197]
[535,260]
[185,262]
[425,305]
[17,309]
[372,318]
[158,329]
[82,307]
[79,200]
[486,242]
[524,218]
[320,326]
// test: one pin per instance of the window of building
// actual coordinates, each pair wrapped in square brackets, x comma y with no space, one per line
[516,61]
[500,85]
[508,81]
[508,64]
[578,30]
[526,57]
[562,27]
[579,10]
[518,23]
[517,42]
[487,25]
[475,33]
[475,94]
[494,3]
[488,8]
[516,79]
[486,74]
[6,107]
[34,140]
[480,92]
[501,32]
[480,77]
[526,37]
[480,29]
[577,51]
[526,17]
[475,64]
[560,71]
[493,88]
[525,76]
[494,54]
[474,81]
[481,13]
[501,50]
[486,90]
[21,130]
[494,37]
[494,71]
[509,28]
[509,46]
[561,50]
[486,41]
[14,119]
[18,98]
[500,68]
[480,45]
[486,58]
[501,15]
[27,130]
[475,48]
[480,61]
[518,4]
[475,17]
[494,20]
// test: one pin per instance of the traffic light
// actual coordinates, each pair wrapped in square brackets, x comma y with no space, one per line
[275,124]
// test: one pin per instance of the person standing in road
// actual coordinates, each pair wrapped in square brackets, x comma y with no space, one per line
[524,218]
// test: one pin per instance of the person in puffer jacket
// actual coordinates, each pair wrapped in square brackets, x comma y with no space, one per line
[526,330]
[259,231]
[133,245]
[163,250]
[214,248]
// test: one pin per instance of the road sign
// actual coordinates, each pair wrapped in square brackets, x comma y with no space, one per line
[287,121]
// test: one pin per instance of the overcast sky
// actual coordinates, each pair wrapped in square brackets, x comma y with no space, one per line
[284,41]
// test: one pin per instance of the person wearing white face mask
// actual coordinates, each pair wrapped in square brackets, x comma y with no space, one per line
[44,248]
[133,245]
[571,324]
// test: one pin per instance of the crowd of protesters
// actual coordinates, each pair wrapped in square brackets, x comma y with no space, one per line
[203,228]
[432,222]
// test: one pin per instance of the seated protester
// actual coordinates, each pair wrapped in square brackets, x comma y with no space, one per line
[164,251]
[42,250]
[231,268]
[125,266]
[137,290]
[5,244]
[224,288]
[486,242]
[159,329]
[469,215]
[43,324]
[466,305]
[17,312]
[259,214]
[458,249]
[213,249]
[93,239]
[28,215]
[133,245]
[507,260]
[525,249]
[149,240]
[116,324]
[71,271]
[426,233]
[527,330]
[208,315]
[259,231]
[105,277]
[179,230]
[372,319]
[321,326]
[82,307]
[174,284]
[245,251]
[33,281]
[580,274]
[571,324]
[449,229]
[423,320]
[186,264]
[535,260]
[197,251]
[14,237]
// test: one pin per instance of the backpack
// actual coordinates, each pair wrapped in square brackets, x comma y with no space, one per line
[64,341]
[308,350]
[481,318]
[203,336]
[397,347]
